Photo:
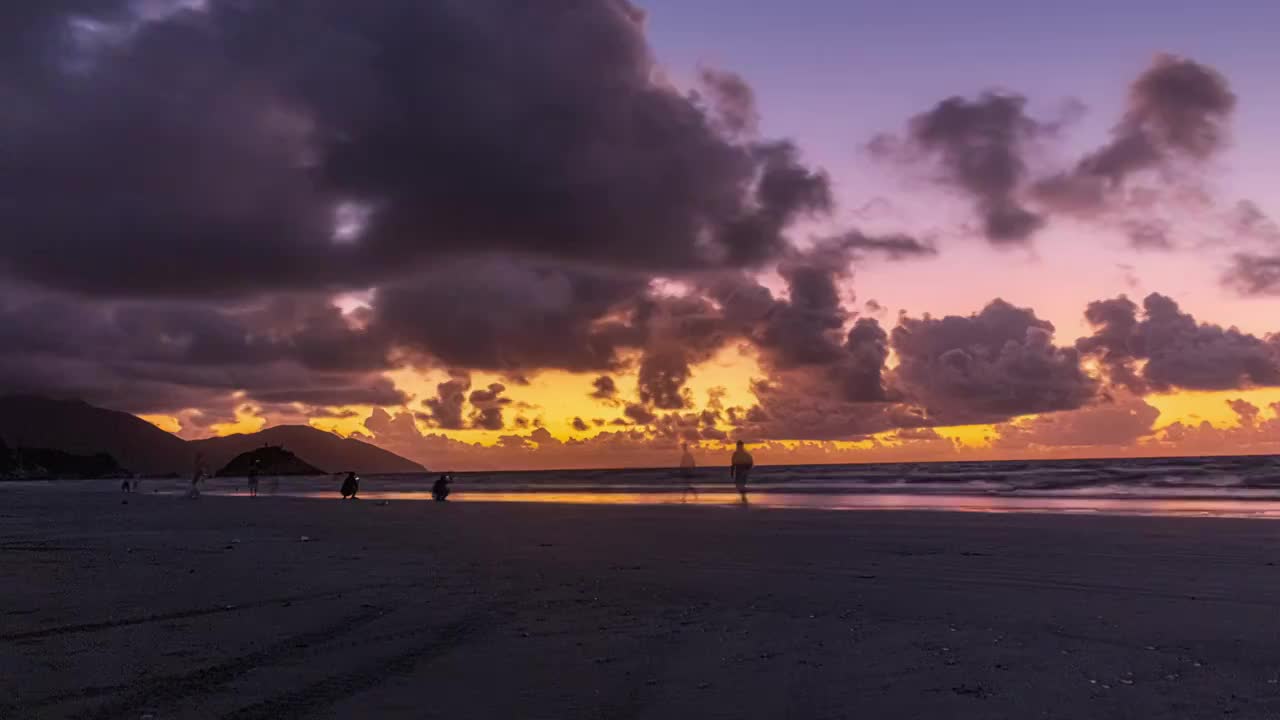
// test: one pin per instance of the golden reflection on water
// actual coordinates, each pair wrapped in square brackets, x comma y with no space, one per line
[869,501]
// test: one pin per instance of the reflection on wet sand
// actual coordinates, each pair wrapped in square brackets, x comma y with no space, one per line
[716,497]
[1244,503]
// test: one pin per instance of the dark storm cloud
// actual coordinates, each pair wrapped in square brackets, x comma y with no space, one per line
[217,153]
[164,357]
[447,406]
[581,426]
[979,144]
[800,405]
[1177,111]
[504,313]
[861,374]
[1177,351]
[804,329]
[821,380]
[639,414]
[214,152]
[487,406]
[993,365]
[661,378]
[677,333]
[604,388]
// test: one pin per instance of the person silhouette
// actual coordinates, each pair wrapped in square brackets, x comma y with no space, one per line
[687,465]
[350,486]
[253,478]
[197,474]
[440,490]
[740,468]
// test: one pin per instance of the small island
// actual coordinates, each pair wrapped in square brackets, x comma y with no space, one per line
[269,460]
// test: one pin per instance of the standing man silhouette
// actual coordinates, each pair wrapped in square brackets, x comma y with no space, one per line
[739,469]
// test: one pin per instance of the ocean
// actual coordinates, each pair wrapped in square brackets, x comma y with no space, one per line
[1198,486]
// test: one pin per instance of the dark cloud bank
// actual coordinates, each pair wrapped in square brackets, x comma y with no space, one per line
[184,193]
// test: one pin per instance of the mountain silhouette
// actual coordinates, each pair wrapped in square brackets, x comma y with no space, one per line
[320,448]
[78,428]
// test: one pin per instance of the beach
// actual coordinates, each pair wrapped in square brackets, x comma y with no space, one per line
[133,606]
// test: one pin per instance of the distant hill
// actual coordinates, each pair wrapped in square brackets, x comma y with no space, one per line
[270,460]
[325,450]
[79,428]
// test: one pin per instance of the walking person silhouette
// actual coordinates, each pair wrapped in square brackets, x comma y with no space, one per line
[739,469]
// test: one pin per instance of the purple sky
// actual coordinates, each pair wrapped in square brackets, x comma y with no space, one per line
[833,74]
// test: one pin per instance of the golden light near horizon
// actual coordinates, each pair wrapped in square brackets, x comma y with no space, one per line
[1192,408]
[552,400]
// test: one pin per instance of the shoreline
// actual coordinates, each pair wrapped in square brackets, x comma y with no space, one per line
[770,499]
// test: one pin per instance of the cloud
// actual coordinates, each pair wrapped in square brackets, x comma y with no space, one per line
[1175,122]
[661,378]
[803,329]
[979,145]
[447,406]
[800,405]
[1116,423]
[506,313]
[1253,274]
[1177,113]
[605,388]
[1250,223]
[165,357]
[1250,434]
[1161,348]
[487,406]
[732,99]
[1149,234]
[639,414]
[308,162]
[893,247]
[580,425]
[998,363]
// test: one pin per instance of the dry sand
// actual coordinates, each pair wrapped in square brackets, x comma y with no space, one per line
[168,608]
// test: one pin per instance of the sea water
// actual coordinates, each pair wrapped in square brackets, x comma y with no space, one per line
[1214,486]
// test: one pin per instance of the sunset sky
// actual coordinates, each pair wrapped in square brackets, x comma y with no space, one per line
[495,234]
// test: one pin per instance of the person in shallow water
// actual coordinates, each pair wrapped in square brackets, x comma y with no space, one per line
[440,490]
[253,479]
[350,486]
[687,465]
[197,474]
[740,468]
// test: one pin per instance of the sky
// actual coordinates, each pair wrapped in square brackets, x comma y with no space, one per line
[502,235]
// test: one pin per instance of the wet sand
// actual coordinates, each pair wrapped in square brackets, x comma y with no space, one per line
[217,608]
